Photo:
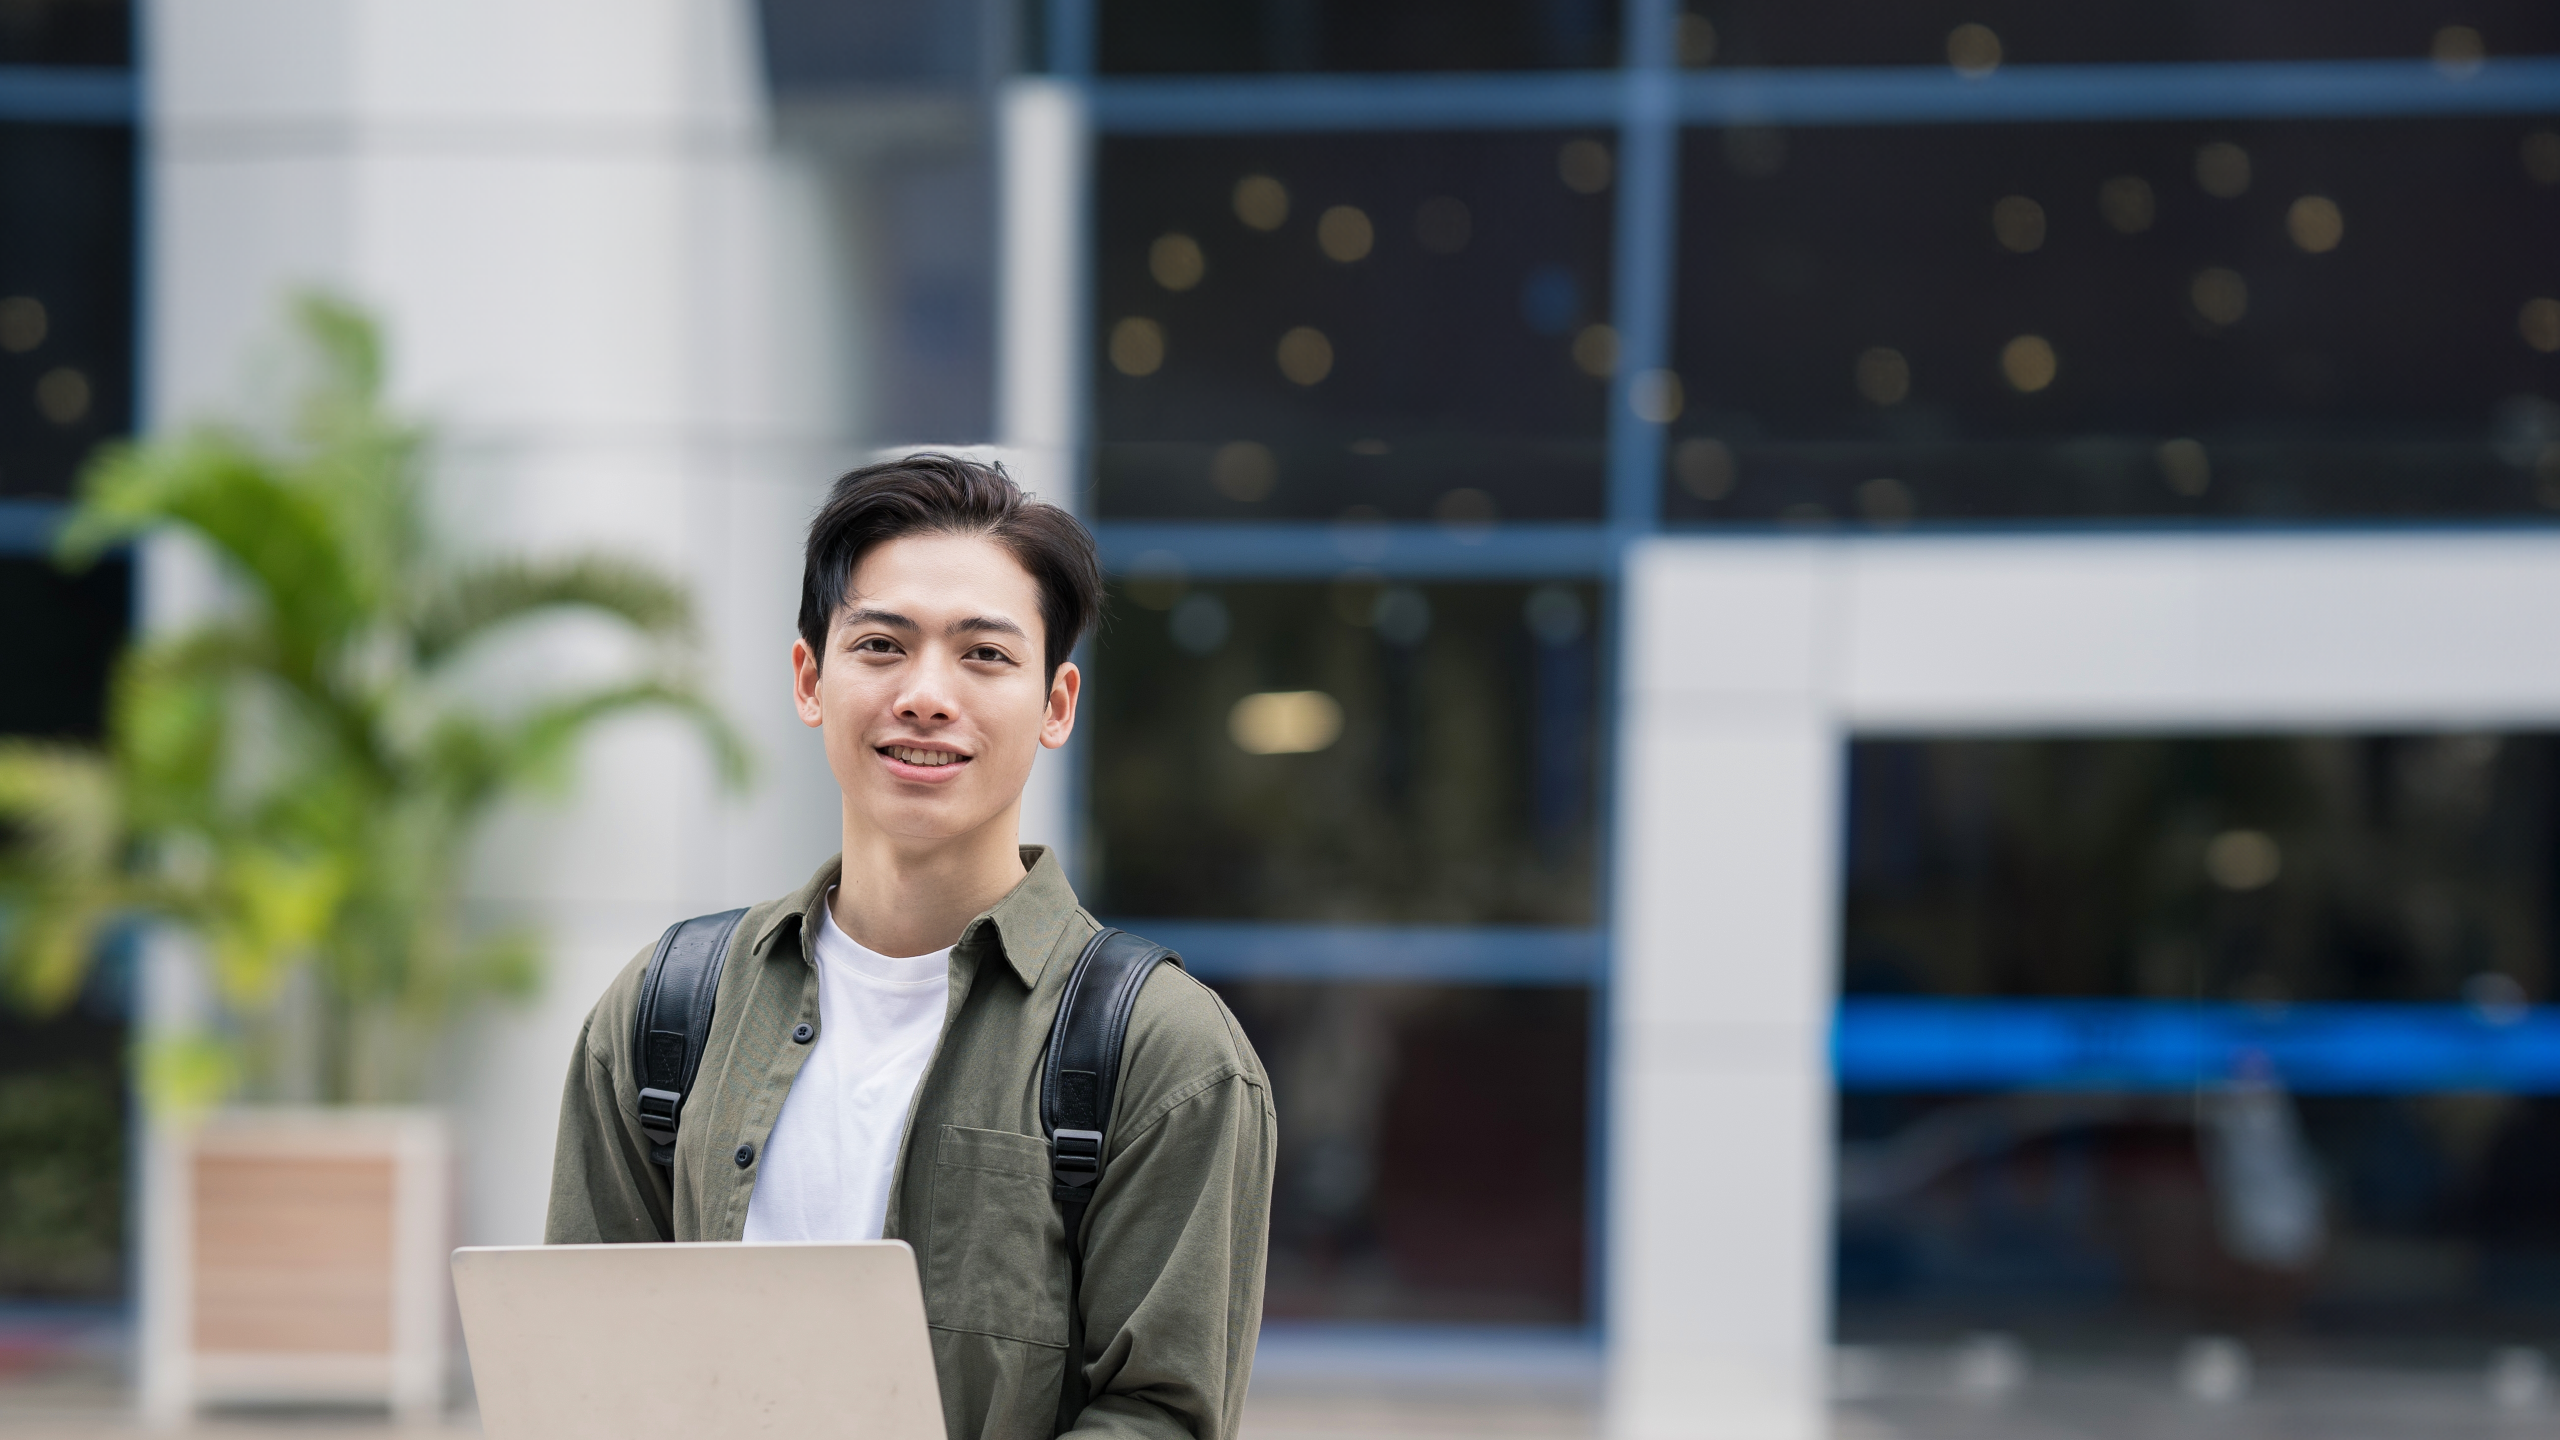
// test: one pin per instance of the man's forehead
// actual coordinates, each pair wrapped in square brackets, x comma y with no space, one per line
[939,575]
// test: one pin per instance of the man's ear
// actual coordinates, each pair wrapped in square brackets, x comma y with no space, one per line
[804,684]
[1060,721]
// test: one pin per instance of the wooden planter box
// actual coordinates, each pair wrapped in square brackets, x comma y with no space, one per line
[297,1256]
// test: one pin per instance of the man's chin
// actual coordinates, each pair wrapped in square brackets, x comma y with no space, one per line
[943,814]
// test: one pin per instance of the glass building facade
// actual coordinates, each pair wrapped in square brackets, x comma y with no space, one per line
[68,186]
[1406,317]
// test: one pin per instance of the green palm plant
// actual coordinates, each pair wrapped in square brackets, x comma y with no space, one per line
[293,781]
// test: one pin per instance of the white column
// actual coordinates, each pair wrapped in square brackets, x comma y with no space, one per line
[564,212]
[1043,150]
[1719,1141]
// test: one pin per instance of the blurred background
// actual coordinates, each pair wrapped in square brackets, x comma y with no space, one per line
[1858,698]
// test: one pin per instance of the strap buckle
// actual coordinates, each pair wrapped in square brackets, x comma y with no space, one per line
[1075,1162]
[658,1113]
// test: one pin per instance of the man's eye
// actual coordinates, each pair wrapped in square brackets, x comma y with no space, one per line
[876,645]
[987,652]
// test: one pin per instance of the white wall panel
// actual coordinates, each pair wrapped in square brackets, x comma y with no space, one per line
[1729,620]
[1722,931]
[2198,631]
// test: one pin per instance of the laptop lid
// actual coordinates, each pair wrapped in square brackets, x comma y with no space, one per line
[678,1342]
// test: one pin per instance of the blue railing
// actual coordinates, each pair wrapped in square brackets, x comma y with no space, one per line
[2128,1045]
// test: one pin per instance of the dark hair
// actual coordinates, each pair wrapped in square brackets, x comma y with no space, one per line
[932,494]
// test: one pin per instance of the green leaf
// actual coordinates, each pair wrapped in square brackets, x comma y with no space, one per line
[59,873]
[487,596]
[188,1073]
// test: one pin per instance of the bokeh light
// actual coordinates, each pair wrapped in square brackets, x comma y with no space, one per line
[1305,355]
[1262,202]
[1176,262]
[2222,170]
[2028,363]
[1343,233]
[1137,346]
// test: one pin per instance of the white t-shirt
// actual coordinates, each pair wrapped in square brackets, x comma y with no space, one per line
[824,1174]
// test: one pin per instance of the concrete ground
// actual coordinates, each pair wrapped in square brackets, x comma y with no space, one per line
[2058,1401]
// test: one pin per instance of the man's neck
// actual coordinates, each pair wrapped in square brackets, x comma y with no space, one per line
[897,897]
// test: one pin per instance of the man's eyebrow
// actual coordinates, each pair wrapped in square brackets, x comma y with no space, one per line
[873,615]
[985,623]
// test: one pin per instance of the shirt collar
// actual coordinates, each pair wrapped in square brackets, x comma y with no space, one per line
[801,906]
[1025,924]
[1028,919]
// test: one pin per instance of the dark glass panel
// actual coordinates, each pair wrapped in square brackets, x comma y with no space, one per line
[2399,868]
[58,638]
[2063,320]
[1431,1149]
[66,300]
[1426,292]
[1144,37]
[1431,757]
[2264,869]
[62,1150]
[2116,1223]
[66,32]
[1893,32]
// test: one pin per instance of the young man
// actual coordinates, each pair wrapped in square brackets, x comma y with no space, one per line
[873,1066]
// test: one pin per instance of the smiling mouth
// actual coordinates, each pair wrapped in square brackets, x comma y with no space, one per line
[913,756]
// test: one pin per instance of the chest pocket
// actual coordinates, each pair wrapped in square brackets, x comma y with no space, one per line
[995,1259]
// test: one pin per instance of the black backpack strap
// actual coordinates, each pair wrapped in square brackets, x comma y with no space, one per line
[1076,1084]
[674,1021]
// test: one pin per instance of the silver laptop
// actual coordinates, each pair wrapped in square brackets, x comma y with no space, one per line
[682,1342]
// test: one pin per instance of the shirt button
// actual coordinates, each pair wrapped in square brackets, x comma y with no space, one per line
[746,1155]
[803,1033]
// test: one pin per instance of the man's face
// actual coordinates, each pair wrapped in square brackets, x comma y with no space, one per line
[931,695]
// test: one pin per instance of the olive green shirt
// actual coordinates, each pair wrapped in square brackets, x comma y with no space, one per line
[1174,1240]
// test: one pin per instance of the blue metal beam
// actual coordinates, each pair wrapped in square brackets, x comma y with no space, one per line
[71,95]
[1315,550]
[1069,36]
[1435,954]
[1869,95]
[2272,90]
[1257,103]
[27,526]
[2129,1045]
[1643,262]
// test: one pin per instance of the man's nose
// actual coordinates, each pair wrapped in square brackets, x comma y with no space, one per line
[928,693]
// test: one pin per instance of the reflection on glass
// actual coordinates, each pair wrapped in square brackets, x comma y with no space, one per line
[1387,318]
[2142,286]
[1977,36]
[67,32]
[2267,871]
[1431,1149]
[63,1099]
[2313,868]
[1174,36]
[1359,752]
[66,326]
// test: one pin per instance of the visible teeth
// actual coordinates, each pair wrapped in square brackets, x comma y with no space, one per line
[923,757]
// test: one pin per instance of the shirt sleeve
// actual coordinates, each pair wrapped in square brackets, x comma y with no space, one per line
[604,1190]
[1174,1253]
